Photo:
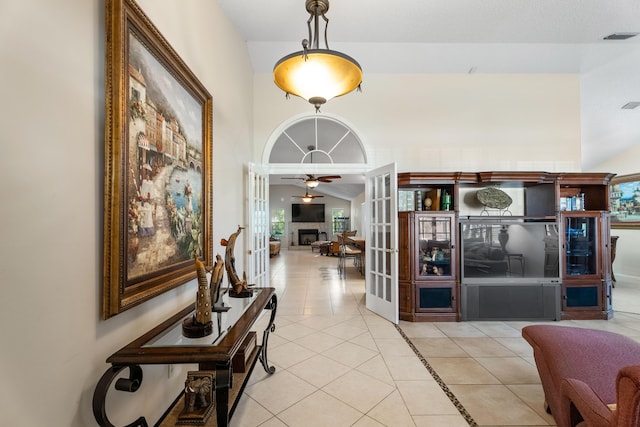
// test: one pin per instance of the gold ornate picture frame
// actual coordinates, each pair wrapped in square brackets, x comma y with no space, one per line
[624,201]
[157,167]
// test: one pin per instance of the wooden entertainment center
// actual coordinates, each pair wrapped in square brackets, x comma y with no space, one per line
[504,246]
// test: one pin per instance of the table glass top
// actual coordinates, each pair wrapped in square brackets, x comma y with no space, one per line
[223,321]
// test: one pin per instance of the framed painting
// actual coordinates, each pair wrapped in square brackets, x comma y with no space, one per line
[157,173]
[624,201]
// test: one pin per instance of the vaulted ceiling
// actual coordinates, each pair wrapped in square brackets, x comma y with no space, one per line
[488,36]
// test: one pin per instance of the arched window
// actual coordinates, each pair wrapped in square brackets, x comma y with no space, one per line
[317,140]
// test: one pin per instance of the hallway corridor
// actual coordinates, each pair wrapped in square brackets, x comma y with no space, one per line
[338,364]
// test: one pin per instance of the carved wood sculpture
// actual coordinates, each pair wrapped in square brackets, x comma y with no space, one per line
[216,280]
[197,392]
[200,324]
[199,399]
[237,285]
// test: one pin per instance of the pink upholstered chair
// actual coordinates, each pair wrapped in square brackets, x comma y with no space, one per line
[588,410]
[592,359]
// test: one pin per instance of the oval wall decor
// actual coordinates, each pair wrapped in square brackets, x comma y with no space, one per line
[495,198]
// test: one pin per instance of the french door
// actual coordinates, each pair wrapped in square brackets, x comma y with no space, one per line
[258,226]
[381,278]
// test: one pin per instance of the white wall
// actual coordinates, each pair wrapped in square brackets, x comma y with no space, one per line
[453,122]
[54,343]
[603,91]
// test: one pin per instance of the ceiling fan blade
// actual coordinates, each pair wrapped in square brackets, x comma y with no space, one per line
[328,178]
[312,178]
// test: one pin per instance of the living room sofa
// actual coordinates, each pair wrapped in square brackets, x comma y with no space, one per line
[590,378]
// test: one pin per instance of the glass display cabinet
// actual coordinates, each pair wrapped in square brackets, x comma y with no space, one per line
[581,245]
[428,284]
[583,205]
[586,277]
[433,246]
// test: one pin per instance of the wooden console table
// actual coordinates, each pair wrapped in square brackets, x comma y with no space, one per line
[165,344]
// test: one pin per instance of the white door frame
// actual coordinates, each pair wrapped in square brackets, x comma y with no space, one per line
[382,257]
[258,226]
[381,277]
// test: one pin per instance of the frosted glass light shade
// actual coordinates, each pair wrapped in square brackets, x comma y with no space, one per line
[320,76]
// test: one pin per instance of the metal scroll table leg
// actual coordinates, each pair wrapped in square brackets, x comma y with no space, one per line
[272,305]
[131,385]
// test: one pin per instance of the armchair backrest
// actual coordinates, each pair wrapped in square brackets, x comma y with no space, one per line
[627,412]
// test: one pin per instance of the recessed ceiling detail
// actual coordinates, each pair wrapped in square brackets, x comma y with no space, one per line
[630,105]
[620,36]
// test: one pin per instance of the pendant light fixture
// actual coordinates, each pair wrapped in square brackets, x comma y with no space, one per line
[315,74]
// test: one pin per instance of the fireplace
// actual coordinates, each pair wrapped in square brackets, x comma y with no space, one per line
[307,236]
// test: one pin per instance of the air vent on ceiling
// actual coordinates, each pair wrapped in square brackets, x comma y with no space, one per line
[630,105]
[620,36]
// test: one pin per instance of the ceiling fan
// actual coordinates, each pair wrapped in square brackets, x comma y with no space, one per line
[307,197]
[313,181]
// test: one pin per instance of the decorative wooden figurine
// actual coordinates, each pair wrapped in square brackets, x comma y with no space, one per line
[200,324]
[215,287]
[199,391]
[237,287]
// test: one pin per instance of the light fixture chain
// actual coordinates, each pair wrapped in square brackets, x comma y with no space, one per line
[311,17]
[326,26]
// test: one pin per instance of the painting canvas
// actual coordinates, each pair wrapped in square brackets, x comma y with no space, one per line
[164,188]
[624,200]
[157,163]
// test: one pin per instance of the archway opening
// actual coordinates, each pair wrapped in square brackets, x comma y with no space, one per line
[315,146]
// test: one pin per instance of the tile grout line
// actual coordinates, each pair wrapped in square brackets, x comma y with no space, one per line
[463,411]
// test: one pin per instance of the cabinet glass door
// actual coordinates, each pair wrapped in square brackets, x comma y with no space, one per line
[434,251]
[580,243]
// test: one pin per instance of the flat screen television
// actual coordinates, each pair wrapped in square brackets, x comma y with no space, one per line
[509,251]
[313,212]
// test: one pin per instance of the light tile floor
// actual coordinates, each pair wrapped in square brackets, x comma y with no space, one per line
[338,364]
